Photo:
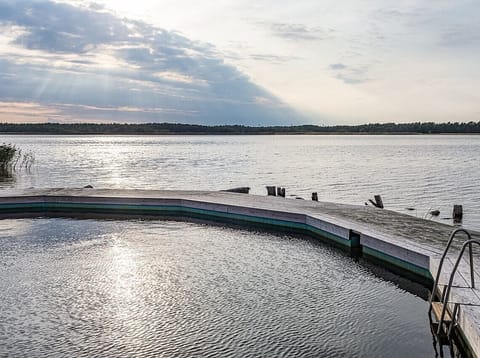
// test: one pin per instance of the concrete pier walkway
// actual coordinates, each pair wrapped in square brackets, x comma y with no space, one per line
[398,241]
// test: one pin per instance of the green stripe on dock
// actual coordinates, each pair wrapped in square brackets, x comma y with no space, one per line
[149,209]
[398,263]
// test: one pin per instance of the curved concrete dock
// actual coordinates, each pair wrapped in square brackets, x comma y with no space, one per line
[400,242]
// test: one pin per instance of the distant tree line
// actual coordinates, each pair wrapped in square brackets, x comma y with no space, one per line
[178,128]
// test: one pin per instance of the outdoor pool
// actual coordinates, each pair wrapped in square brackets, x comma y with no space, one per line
[181,289]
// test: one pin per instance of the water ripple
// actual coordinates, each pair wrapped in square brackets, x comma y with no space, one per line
[169,289]
[409,171]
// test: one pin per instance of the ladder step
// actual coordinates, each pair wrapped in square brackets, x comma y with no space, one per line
[437,308]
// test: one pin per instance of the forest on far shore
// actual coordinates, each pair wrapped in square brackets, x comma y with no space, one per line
[178,128]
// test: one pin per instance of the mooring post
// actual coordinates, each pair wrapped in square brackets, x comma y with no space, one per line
[271,191]
[457,213]
[315,196]
[379,201]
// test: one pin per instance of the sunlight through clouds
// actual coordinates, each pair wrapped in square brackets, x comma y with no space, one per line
[80,59]
[320,62]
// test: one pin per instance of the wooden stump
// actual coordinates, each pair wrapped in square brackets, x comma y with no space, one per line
[271,191]
[457,213]
[378,203]
[241,190]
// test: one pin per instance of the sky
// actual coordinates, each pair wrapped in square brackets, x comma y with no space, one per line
[263,62]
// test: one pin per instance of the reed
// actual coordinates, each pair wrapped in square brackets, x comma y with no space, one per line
[13,159]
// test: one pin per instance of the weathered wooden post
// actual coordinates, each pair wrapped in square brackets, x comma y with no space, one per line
[378,203]
[271,191]
[315,196]
[457,213]
[241,190]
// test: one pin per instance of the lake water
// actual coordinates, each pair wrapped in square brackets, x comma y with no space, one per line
[422,172]
[85,288]
[152,288]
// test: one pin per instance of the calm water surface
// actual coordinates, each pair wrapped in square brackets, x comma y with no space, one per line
[88,288]
[422,172]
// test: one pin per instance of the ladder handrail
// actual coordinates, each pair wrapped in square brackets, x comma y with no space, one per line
[442,259]
[452,275]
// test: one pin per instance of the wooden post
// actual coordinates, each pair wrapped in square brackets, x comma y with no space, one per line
[379,201]
[457,213]
[241,190]
[271,191]
[279,191]
[315,196]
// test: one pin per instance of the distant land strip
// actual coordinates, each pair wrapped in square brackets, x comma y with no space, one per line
[178,128]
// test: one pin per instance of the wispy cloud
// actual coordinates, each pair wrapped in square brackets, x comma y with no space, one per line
[337,66]
[297,32]
[28,112]
[349,74]
[460,37]
[273,59]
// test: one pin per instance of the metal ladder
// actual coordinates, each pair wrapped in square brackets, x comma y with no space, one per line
[440,308]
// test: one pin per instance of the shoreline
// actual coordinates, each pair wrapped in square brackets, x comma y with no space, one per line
[415,128]
[237,134]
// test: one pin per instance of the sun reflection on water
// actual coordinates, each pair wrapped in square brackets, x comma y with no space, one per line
[134,288]
[123,270]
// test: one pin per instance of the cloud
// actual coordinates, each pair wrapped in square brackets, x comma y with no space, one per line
[242,51]
[449,24]
[20,112]
[56,27]
[350,74]
[460,37]
[337,66]
[351,80]
[273,59]
[297,32]
[85,62]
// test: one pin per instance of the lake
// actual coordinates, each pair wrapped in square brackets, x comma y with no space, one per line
[179,289]
[422,172]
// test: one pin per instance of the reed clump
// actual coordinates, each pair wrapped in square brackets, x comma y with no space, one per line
[13,159]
